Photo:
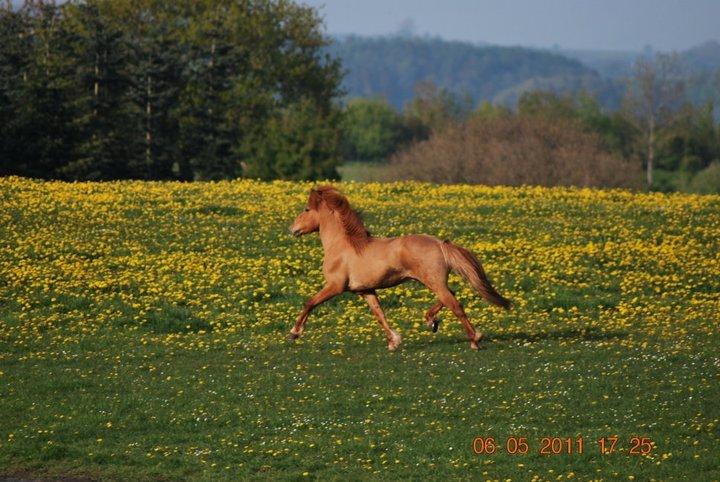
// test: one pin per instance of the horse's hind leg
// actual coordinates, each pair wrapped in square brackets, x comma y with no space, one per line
[448,299]
[430,320]
[393,338]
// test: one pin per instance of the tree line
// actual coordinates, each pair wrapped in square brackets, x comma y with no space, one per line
[214,89]
[148,89]
[655,139]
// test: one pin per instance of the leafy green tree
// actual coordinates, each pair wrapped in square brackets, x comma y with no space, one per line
[548,104]
[617,132]
[155,75]
[692,143]
[296,144]
[651,100]
[433,108]
[489,110]
[707,181]
[372,130]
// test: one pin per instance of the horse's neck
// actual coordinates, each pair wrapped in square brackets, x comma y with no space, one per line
[332,235]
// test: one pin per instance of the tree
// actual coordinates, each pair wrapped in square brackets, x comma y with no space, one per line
[652,97]
[100,55]
[433,108]
[692,142]
[35,70]
[489,110]
[296,144]
[549,104]
[372,130]
[15,54]
[253,67]
[207,137]
[155,75]
[108,89]
[515,150]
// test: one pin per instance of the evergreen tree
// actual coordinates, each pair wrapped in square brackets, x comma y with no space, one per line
[42,129]
[15,53]
[101,54]
[206,136]
[102,89]
[155,73]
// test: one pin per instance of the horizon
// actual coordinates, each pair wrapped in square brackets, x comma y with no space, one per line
[609,26]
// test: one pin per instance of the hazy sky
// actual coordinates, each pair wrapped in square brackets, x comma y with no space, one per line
[574,24]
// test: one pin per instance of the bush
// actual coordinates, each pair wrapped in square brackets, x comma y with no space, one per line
[515,150]
[372,130]
[707,181]
[301,143]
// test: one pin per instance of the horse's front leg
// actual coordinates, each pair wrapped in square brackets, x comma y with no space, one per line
[320,297]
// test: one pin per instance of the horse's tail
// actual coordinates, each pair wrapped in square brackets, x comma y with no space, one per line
[468,266]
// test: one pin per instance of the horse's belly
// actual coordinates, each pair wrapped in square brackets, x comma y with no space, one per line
[369,280]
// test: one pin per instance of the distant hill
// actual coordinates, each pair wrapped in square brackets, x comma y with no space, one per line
[700,66]
[617,64]
[703,57]
[391,67]
[609,64]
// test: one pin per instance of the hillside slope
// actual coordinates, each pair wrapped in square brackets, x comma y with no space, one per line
[390,67]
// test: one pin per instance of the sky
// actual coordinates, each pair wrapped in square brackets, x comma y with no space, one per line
[628,25]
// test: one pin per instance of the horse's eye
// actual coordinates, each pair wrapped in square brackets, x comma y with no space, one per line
[307,209]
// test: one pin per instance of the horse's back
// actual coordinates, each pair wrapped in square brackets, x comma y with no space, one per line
[387,262]
[421,250]
[400,250]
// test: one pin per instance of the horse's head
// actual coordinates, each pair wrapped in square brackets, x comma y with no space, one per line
[308,221]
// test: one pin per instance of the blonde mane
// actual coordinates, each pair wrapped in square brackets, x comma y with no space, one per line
[351,221]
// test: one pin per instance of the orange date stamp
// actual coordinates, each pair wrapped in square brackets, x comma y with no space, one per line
[550,446]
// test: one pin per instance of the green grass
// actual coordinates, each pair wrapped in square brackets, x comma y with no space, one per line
[143,337]
[359,171]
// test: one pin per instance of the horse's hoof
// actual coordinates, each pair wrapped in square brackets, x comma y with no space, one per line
[394,342]
[435,325]
[292,337]
[474,346]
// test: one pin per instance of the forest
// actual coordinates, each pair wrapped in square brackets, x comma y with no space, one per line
[148,89]
[655,140]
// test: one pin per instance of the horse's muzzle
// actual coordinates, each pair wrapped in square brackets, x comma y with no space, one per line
[296,232]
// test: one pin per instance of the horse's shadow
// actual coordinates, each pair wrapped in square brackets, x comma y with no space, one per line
[586,334]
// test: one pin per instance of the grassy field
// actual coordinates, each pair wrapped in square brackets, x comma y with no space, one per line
[359,171]
[143,336]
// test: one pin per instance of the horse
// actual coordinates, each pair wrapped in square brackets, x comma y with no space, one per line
[358,262]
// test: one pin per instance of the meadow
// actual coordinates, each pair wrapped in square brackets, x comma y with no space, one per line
[143,336]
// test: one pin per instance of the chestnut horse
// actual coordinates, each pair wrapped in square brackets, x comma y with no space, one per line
[358,262]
